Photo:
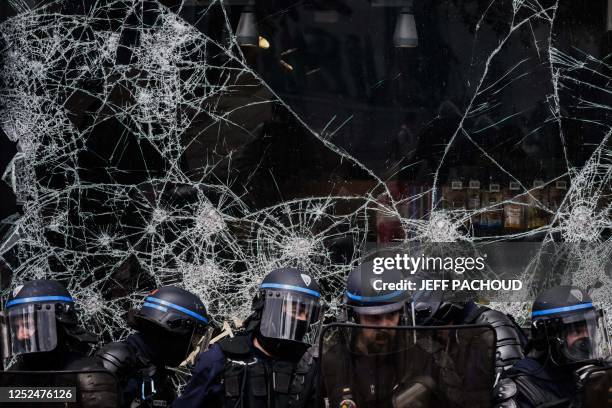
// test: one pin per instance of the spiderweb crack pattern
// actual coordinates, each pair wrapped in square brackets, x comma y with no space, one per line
[115,214]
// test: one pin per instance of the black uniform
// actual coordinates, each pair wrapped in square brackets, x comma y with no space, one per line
[376,377]
[143,379]
[379,370]
[235,373]
[533,383]
[417,367]
[170,324]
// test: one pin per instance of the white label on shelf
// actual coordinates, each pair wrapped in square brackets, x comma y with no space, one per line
[514,185]
[457,185]
[561,185]
[474,184]
[538,183]
[494,187]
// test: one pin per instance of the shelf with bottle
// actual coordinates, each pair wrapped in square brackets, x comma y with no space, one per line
[556,194]
[495,205]
[537,214]
[491,220]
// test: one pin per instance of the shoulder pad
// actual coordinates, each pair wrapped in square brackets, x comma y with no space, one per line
[238,345]
[115,356]
[508,340]
[98,390]
[492,317]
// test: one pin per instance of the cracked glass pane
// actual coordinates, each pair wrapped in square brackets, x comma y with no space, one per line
[167,142]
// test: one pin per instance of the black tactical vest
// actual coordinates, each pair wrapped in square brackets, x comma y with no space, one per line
[251,382]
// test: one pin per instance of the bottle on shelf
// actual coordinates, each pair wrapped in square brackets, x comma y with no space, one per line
[556,194]
[454,195]
[474,201]
[514,209]
[537,199]
[492,219]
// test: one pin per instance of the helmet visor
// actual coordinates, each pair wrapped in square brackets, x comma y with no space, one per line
[584,336]
[201,339]
[290,316]
[29,328]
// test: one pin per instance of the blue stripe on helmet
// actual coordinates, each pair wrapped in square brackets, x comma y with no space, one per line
[33,299]
[561,309]
[290,287]
[177,307]
[378,298]
[158,307]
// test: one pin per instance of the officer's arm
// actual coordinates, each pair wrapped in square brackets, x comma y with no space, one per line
[205,385]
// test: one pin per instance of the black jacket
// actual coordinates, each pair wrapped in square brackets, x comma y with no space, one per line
[233,373]
[143,381]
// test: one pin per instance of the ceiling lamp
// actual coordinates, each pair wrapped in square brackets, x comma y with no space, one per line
[405,35]
[247,33]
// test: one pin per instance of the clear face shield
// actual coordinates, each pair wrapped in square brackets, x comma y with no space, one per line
[583,337]
[291,316]
[201,338]
[28,328]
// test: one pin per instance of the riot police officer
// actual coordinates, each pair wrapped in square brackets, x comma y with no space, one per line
[271,363]
[568,337]
[170,324]
[440,308]
[41,329]
[370,351]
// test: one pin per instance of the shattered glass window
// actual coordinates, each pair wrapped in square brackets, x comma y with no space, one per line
[202,143]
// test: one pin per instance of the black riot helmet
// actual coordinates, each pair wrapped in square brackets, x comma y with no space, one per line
[370,293]
[36,315]
[287,311]
[174,315]
[568,327]
[436,308]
